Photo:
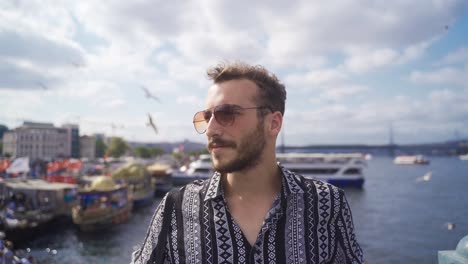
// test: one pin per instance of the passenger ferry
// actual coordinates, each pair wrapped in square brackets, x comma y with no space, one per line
[200,169]
[339,169]
[464,157]
[411,160]
[161,177]
[102,204]
[138,179]
[27,205]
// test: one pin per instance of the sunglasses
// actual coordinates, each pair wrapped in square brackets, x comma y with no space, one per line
[224,115]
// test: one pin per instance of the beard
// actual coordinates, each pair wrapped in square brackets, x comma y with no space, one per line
[248,151]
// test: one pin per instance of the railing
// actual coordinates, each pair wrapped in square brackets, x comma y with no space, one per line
[457,256]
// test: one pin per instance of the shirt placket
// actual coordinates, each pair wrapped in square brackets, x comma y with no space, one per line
[272,218]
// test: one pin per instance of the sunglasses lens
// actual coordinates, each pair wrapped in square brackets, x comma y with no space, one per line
[224,115]
[200,121]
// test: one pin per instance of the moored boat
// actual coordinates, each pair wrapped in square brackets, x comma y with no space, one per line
[411,160]
[464,157]
[200,169]
[161,177]
[138,179]
[66,171]
[28,205]
[339,169]
[102,204]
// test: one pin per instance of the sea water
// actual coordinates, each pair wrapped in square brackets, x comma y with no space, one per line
[399,216]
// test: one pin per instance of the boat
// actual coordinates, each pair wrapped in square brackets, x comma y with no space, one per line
[411,160]
[28,205]
[464,157]
[200,169]
[66,171]
[102,205]
[161,177]
[339,169]
[138,179]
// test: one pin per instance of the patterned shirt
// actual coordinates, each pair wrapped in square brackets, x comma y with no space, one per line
[309,222]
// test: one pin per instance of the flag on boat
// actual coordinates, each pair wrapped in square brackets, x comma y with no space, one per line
[19,165]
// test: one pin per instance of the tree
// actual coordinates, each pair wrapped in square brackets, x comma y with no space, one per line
[156,152]
[3,129]
[100,148]
[148,152]
[198,152]
[117,147]
[143,152]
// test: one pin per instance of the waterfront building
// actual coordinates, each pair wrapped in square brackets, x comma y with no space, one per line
[73,140]
[88,147]
[40,141]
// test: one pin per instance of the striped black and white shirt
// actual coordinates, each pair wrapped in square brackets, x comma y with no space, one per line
[309,222]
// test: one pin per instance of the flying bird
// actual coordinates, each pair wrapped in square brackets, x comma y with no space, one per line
[76,64]
[148,94]
[426,177]
[151,123]
[450,226]
[42,85]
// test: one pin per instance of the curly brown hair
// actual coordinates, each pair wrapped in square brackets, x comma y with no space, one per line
[272,92]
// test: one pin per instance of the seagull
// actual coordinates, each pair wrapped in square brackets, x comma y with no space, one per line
[42,85]
[450,226]
[76,64]
[426,177]
[148,94]
[151,123]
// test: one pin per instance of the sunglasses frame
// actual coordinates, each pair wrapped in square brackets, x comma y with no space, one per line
[234,111]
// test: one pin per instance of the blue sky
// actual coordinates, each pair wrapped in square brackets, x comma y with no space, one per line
[351,71]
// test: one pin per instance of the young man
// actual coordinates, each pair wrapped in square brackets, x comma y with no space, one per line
[252,210]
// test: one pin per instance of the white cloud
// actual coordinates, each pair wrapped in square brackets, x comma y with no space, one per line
[446,75]
[366,61]
[115,103]
[315,78]
[431,118]
[458,56]
[191,99]
[94,55]
[334,93]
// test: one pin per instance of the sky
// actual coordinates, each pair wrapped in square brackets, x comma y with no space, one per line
[353,70]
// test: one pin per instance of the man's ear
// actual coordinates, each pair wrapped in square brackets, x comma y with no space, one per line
[276,121]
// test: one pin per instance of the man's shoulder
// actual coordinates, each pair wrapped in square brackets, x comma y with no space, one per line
[314,185]
[196,186]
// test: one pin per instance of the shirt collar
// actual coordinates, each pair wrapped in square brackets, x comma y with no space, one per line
[290,184]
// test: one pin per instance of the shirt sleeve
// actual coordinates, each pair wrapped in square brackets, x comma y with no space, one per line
[143,254]
[347,246]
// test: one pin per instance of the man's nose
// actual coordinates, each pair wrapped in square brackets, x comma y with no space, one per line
[213,128]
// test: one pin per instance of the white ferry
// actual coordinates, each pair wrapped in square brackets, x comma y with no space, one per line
[339,169]
[200,169]
[411,160]
[464,157]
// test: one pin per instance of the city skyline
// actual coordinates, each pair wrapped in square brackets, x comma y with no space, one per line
[352,72]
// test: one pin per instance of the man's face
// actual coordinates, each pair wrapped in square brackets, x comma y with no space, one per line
[239,145]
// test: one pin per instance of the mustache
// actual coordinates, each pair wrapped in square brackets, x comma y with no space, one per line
[221,142]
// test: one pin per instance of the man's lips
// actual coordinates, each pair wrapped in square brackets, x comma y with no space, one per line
[218,143]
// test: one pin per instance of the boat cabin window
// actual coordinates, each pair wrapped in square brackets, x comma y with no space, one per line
[92,201]
[20,202]
[352,171]
[45,199]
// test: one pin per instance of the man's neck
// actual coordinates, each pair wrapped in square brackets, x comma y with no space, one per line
[263,180]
